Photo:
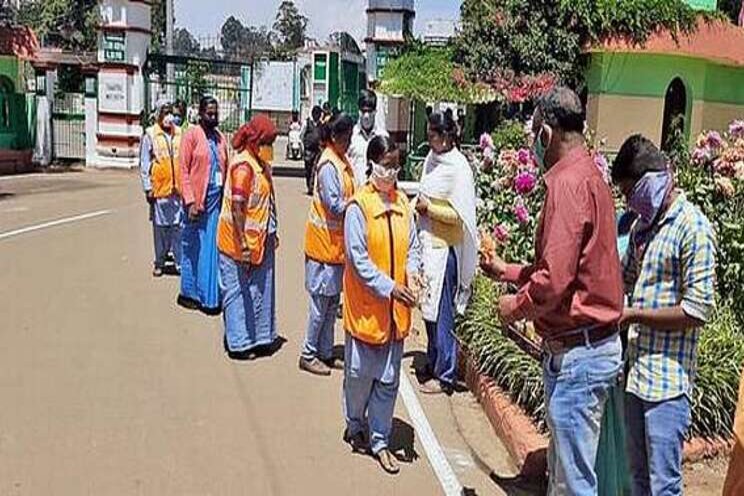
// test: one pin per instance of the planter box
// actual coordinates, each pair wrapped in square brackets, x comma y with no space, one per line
[526,445]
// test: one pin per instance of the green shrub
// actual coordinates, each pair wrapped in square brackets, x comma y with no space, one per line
[720,358]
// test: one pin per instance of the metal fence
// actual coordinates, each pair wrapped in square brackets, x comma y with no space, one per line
[187,79]
[68,126]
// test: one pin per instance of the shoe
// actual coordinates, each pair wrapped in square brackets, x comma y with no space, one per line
[157,272]
[358,441]
[388,461]
[242,356]
[435,387]
[177,271]
[188,303]
[334,363]
[314,366]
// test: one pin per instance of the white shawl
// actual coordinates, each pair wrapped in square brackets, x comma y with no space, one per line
[448,177]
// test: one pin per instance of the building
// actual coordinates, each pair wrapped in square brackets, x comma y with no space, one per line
[389,24]
[18,45]
[439,32]
[690,84]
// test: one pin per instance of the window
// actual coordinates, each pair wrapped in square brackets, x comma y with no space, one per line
[321,69]
[114,47]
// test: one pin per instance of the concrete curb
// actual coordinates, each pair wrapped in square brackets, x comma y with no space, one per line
[526,445]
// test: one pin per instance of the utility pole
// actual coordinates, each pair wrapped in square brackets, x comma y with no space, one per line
[170,69]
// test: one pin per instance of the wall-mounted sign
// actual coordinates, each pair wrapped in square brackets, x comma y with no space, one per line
[113,92]
[114,47]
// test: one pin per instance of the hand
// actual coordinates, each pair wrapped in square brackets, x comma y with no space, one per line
[628,317]
[193,211]
[404,295]
[422,205]
[245,255]
[506,306]
[149,197]
[492,265]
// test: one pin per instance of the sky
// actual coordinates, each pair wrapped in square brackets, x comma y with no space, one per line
[205,17]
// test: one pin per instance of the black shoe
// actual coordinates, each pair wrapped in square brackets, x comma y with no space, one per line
[242,356]
[188,303]
[358,442]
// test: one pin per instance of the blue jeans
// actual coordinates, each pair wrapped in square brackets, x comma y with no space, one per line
[320,325]
[442,345]
[577,385]
[656,432]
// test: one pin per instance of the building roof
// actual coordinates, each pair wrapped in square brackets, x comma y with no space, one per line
[19,41]
[719,41]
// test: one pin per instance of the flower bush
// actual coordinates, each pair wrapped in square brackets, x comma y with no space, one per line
[510,192]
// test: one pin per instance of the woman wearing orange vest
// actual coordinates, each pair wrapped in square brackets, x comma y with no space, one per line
[161,179]
[324,245]
[246,239]
[382,260]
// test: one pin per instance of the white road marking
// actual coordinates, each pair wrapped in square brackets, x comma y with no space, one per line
[447,478]
[53,223]
[14,210]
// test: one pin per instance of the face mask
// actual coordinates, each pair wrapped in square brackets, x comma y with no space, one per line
[648,195]
[167,121]
[383,177]
[539,149]
[176,120]
[210,122]
[367,120]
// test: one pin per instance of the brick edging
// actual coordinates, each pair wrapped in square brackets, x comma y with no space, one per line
[526,445]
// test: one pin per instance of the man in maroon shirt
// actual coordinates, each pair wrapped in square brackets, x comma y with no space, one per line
[573,292]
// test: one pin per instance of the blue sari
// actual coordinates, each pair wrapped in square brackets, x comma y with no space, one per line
[200,259]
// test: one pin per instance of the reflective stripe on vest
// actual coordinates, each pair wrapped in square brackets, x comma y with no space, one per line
[324,231]
[257,212]
[368,317]
[165,173]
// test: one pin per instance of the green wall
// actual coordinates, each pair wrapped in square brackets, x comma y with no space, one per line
[649,75]
[9,67]
[17,132]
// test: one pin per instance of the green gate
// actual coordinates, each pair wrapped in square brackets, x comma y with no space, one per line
[191,78]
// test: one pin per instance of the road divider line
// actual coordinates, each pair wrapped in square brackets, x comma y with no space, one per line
[53,223]
[443,470]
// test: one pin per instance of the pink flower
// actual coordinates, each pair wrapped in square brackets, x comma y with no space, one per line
[501,233]
[525,182]
[725,187]
[701,155]
[724,167]
[486,142]
[524,156]
[601,162]
[508,159]
[522,214]
[736,129]
[714,140]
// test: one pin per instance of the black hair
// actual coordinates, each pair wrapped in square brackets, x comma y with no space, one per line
[316,112]
[205,102]
[367,99]
[561,108]
[380,146]
[636,157]
[429,110]
[444,124]
[339,125]
[180,105]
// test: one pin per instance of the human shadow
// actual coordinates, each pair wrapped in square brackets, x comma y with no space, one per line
[338,352]
[521,485]
[402,440]
[419,365]
[5,195]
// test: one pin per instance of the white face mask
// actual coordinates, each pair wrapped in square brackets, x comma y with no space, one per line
[383,177]
[367,120]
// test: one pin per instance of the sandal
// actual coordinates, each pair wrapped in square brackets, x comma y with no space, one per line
[388,462]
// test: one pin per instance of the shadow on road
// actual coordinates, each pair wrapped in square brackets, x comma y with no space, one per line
[402,441]
[520,485]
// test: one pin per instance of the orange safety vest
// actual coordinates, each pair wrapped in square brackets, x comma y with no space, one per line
[256,209]
[368,317]
[324,232]
[165,172]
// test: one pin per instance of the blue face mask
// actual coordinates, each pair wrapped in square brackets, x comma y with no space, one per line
[648,195]
[177,120]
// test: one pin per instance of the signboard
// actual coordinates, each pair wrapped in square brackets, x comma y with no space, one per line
[274,86]
[703,4]
[114,47]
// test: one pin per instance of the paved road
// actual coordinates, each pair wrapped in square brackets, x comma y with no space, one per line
[108,388]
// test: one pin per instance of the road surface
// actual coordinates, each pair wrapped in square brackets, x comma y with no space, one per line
[108,388]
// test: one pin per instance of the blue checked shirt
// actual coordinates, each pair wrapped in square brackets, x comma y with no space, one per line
[678,268]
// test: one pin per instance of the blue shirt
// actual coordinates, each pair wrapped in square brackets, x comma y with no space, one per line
[357,252]
[321,278]
[215,174]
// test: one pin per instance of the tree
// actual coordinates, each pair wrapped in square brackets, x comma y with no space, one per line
[158,21]
[525,43]
[184,42]
[290,27]
[7,12]
[240,41]
[67,24]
